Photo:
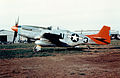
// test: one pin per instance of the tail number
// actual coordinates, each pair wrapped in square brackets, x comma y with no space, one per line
[85,39]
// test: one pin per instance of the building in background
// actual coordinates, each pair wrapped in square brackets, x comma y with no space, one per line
[6,36]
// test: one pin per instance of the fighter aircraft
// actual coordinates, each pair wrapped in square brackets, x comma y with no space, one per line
[59,37]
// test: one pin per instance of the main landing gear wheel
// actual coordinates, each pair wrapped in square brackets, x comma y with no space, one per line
[37,48]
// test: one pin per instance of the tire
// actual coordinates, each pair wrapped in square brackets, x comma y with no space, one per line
[36,48]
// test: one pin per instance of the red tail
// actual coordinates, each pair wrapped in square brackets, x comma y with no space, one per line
[103,37]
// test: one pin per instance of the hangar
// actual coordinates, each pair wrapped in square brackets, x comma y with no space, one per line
[6,36]
[3,37]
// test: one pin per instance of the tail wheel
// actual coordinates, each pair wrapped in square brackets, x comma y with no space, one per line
[37,48]
[88,47]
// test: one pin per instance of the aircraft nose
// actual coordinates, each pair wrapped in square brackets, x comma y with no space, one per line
[14,28]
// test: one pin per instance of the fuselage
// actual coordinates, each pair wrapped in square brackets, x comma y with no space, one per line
[61,37]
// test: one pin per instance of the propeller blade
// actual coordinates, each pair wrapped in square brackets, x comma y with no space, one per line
[17,22]
[15,35]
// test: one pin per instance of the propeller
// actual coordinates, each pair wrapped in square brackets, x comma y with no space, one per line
[15,32]
[16,24]
[15,35]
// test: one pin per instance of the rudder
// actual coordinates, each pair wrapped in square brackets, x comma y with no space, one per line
[103,37]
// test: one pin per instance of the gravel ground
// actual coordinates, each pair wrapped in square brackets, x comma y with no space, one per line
[98,63]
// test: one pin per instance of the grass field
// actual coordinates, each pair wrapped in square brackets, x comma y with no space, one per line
[17,45]
[26,50]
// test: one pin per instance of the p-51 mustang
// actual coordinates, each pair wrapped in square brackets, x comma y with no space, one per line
[61,38]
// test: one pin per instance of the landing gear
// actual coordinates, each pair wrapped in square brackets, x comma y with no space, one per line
[37,48]
[88,47]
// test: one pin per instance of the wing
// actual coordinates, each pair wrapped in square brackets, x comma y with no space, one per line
[54,36]
[55,39]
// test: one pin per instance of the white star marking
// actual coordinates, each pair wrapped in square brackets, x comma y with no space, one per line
[75,37]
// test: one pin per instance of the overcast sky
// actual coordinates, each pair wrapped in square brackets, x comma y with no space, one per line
[69,14]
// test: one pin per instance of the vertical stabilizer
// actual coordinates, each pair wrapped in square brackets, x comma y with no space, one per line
[103,37]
